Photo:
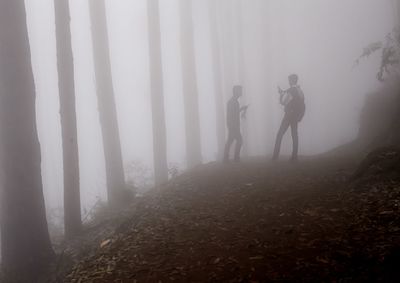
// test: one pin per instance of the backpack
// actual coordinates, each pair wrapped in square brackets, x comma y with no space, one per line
[301,106]
[298,107]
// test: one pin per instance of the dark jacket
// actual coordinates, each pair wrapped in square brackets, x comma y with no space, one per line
[233,114]
[295,108]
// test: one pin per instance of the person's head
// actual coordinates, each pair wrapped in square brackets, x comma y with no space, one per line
[237,91]
[293,79]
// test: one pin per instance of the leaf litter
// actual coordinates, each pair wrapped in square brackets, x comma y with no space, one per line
[297,223]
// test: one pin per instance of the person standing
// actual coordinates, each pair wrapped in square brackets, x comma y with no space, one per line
[233,123]
[293,101]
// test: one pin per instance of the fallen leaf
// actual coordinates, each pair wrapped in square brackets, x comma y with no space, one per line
[217,260]
[105,243]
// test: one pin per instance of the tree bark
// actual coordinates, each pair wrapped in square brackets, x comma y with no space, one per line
[217,70]
[106,101]
[65,64]
[25,241]
[189,87]
[157,95]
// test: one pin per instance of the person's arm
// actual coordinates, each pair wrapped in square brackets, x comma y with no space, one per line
[282,94]
[244,108]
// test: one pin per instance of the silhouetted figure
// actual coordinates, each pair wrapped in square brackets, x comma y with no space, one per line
[293,101]
[233,123]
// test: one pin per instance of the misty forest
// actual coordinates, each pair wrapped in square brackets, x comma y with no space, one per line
[199,141]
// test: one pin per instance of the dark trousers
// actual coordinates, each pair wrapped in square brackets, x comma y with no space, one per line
[233,135]
[286,123]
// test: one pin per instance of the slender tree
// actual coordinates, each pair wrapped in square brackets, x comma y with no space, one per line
[237,19]
[72,201]
[227,47]
[217,70]
[106,101]
[397,7]
[25,241]
[157,96]
[189,87]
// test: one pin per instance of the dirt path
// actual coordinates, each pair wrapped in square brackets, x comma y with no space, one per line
[255,222]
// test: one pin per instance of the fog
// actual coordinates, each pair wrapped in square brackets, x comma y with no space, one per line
[261,43]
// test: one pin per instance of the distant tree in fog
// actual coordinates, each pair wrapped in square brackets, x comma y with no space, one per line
[65,63]
[389,47]
[397,7]
[157,95]
[189,87]
[217,76]
[390,51]
[380,116]
[25,241]
[106,103]
[228,23]
[237,22]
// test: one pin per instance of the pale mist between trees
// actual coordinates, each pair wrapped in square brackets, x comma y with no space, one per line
[105,99]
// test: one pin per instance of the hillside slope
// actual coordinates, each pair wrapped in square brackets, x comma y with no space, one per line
[254,222]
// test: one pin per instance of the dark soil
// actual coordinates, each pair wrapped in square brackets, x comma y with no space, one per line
[254,221]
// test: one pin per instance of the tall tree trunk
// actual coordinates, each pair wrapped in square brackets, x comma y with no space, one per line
[157,96]
[106,101]
[217,70]
[226,46]
[25,240]
[65,63]
[189,81]
[237,19]
[397,6]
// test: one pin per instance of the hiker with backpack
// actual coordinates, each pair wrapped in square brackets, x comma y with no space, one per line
[293,101]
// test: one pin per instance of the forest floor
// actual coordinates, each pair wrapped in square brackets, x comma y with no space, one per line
[254,221]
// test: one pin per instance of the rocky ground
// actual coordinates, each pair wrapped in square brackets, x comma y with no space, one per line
[255,221]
